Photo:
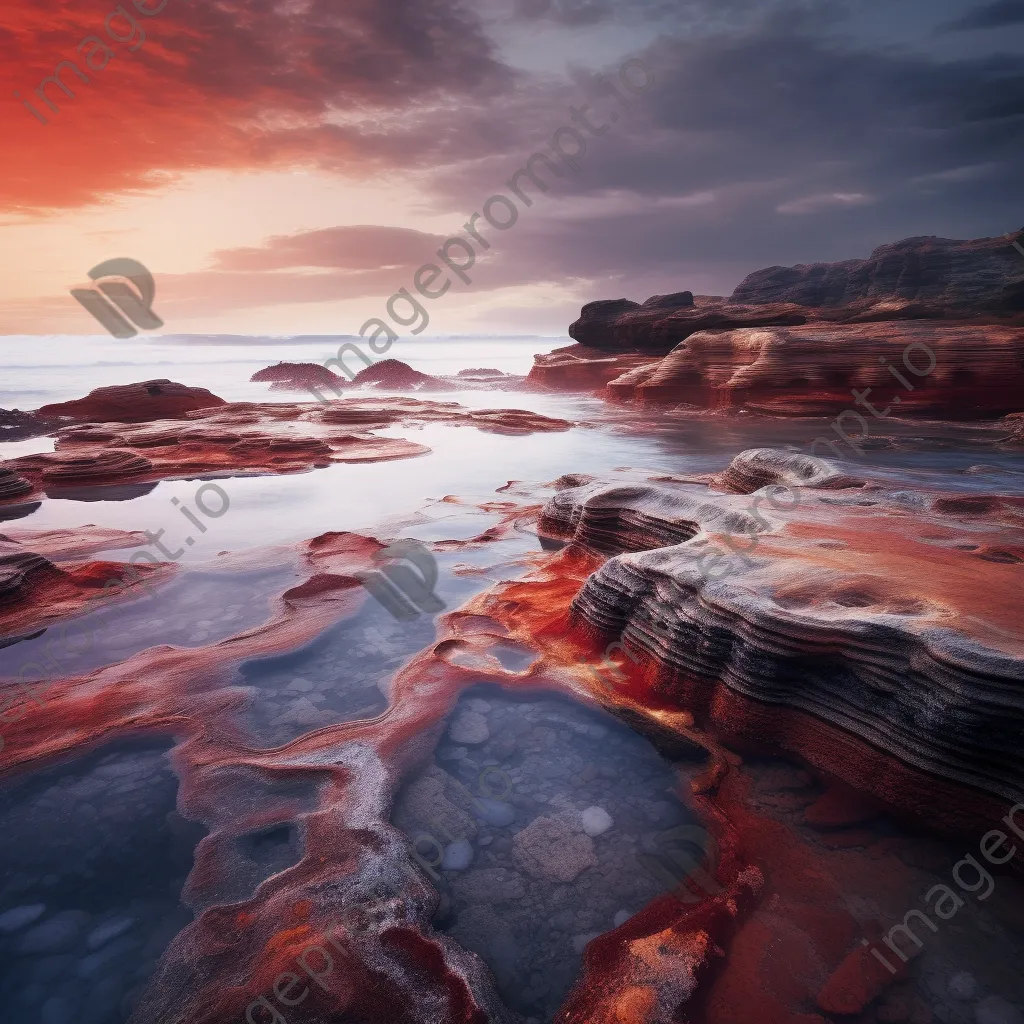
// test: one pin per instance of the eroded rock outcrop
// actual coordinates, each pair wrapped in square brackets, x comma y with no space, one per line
[50,574]
[874,633]
[655,328]
[914,368]
[580,368]
[975,276]
[134,403]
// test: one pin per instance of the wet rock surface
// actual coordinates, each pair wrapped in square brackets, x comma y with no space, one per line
[133,403]
[869,615]
[244,438]
[965,372]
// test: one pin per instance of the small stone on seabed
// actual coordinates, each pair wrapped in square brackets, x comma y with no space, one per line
[596,820]
[20,917]
[470,727]
[494,812]
[458,856]
[622,917]
[962,985]
[996,1010]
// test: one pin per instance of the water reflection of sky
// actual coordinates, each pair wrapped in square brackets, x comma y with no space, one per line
[472,464]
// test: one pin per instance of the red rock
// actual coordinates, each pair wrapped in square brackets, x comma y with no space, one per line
[134,403]
[578,368]
[34,591]
[283,437]
[394,374]
[858,981]
[839,806]
[838,576]
[300,377]
[976,372]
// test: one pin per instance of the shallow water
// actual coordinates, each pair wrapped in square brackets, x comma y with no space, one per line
[529,891]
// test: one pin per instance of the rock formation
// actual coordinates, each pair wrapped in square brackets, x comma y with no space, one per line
[16,425]
[977,284]
[967,277]
[385,375]
[654,328]
[579,368]
[226,439]
[394,375]
[51,574]
[133,403]
[872,632]
[914,368]
[300,377]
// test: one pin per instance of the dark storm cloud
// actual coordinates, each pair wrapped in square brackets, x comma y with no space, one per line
[786,143]
[992,15]
[775,146]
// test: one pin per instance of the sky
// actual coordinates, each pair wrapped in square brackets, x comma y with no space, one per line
[286,166]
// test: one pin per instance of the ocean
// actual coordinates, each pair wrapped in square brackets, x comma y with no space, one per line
[38,370]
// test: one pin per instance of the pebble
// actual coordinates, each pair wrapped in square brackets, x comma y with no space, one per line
[596,820]
[494,812]
[458,856]
[111,930]
[20,917]
[962,986]
[622,917]
[58,933]
[469,727]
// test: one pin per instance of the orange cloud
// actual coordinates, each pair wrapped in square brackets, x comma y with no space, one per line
[214,85]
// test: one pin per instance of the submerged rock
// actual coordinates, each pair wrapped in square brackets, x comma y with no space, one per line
[549,848]
[596,821]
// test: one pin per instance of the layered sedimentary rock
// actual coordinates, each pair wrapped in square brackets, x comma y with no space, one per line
[245,437]
[975,276]
[914,368]
[47,575]
[654,328]
[103,465]
[874,633]
[12,485]
[134,403]
[580,368]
